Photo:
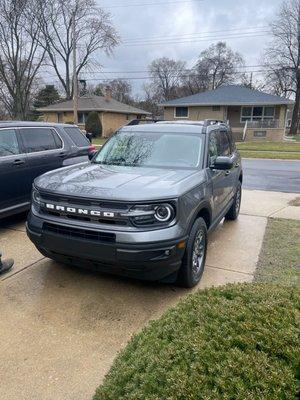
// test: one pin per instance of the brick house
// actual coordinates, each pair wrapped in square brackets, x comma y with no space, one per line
[252,114]
[112,113]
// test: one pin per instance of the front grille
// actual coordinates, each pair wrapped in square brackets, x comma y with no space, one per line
[84,234]
[102,206]
[84,202]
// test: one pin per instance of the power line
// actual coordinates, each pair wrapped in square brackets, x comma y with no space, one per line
[196,34]
[204,39]
[146,70]
[177,75]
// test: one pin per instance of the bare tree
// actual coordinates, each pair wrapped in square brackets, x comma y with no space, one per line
[166,75]
[20,55]
[94,32]
[280,80]
[121,90]
[284,54]
[217,66]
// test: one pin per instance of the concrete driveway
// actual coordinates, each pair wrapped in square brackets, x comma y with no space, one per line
[62,327]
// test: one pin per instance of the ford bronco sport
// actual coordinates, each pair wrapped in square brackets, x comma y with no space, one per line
[144,205]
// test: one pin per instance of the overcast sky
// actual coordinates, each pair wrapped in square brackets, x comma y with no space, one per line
[159,19]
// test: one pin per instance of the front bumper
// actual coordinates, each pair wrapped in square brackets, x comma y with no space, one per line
[151,260]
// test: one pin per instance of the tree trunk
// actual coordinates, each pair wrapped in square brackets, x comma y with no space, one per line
[295,118]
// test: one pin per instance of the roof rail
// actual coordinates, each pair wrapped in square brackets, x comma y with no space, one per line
[208,122]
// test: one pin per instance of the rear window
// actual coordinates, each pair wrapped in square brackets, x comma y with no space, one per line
[77,136]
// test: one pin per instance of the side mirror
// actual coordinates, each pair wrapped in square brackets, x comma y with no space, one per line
[223,163]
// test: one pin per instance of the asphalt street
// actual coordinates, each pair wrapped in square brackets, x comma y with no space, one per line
[273,175]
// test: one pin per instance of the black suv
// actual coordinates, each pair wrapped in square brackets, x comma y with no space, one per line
[27,150]
[144,205]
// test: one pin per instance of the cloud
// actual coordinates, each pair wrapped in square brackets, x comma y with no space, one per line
[179,19]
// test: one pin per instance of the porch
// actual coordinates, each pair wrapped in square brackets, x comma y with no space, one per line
[261,123]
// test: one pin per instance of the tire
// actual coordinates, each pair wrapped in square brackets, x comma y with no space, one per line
[190,274]
[234,210]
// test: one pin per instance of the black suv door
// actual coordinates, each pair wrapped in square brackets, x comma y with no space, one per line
[44,147]
[14,180]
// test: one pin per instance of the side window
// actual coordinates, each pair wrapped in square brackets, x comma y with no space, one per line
[231,141]
[8,143]
[225,147]
[40,139]
[214,146]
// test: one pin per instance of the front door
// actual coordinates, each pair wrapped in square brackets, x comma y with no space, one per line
[219,178]
[14,176]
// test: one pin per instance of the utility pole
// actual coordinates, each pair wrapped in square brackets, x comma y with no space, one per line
[75,79]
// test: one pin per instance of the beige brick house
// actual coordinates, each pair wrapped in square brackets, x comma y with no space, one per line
[112,113]
[252,114]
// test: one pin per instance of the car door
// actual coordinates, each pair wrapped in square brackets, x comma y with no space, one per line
[14,177]
[44,148]
[218,178]
[229,175]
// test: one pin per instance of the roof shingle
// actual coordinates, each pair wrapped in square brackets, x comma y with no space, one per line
[94,103]
[230,95]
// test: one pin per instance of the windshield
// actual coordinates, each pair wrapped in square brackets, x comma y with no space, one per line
[152,149]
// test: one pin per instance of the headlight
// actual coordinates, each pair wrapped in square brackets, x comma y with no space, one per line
[36,196]
[152,214]
[163,212]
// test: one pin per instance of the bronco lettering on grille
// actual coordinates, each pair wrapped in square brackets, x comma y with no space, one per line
[80,211]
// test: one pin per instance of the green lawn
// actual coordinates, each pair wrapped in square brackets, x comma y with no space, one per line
[99,141]
[274,150]
[275,155]
[280,255]
[269,146]
[237,342]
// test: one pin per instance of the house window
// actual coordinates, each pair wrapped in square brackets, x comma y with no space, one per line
[216,108]
[181,112]
[260,134]
[257,113]
[82,117]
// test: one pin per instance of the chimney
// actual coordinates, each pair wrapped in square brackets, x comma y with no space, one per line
[108,93]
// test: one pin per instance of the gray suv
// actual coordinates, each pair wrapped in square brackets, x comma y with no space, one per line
[145,203]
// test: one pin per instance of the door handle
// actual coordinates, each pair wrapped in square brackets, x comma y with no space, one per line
[19,162]
[62,154]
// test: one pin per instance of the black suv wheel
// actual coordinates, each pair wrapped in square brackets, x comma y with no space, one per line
[234,210]
[194,258]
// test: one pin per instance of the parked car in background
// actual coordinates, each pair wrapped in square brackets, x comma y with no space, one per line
[142,121]
[144,205]
[29,149]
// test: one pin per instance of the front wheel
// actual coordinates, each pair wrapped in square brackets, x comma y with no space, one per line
[194,257]
[234,210]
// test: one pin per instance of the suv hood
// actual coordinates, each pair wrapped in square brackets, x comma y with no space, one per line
[119,182]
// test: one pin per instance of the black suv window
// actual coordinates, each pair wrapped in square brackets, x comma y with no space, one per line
[8,143]
[77,136]
[40,139]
